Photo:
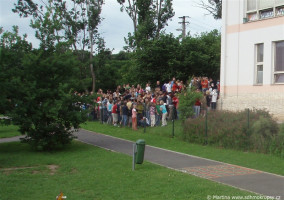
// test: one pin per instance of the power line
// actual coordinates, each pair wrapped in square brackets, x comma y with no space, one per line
[202,26]
[202,22]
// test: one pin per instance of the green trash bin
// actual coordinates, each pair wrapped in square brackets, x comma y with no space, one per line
[140,145]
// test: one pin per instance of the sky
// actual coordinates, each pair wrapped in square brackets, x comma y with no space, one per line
[116,24]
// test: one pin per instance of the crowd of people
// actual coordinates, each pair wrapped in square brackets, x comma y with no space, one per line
[151,106]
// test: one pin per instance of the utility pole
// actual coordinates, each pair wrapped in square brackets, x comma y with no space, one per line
[183,25]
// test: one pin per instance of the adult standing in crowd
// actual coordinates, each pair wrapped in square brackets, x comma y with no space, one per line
[214,95]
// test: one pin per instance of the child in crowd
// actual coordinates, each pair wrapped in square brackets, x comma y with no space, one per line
[124,114]
[152,114]
[114,114]
[208,99]
[129,107]
[197,106]
[109,109]
[147,105]
[203,105]
[158,114]
[134,118]
[164,113]
[214,95]
[148,88]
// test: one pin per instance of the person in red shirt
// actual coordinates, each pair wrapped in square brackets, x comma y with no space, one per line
[114,114]
[174,87]
[197,106]
[175,103]
[204,84]
[153,100]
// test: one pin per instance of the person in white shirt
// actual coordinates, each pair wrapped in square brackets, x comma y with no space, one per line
[148,88]
[214,95]
[169,87]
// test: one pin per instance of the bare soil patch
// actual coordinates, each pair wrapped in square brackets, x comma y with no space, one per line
[52,169]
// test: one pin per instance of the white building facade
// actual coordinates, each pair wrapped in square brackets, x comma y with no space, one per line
[252,57]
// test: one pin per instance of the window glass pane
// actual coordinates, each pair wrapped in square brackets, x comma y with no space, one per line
[280,11]
[279,78]
[252,16]
[266,13]
[260,53]
[279,56]
[251,4]
[259,78]
[262,4]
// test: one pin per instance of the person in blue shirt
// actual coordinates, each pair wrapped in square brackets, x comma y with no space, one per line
[109,109]
[164,113]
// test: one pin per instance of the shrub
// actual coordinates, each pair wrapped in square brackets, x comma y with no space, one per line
[253,131]
[276,146]
[263,132]
[281,129]
[187,99]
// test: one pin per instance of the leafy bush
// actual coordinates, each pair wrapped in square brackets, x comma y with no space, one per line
[263,130]
[282,129]
[187,99]
[254,131]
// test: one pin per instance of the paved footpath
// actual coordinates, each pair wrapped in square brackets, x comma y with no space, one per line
[240,177]
[236,176]
[12,139]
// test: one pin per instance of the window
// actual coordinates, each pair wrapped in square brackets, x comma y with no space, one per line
[259,74]
[263,9]
[280,11]
[279,62]
[259,55]
[259,65]
[266,14]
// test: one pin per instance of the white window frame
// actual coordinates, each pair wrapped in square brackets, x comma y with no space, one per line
[258,63]
[274,63]
[277,9]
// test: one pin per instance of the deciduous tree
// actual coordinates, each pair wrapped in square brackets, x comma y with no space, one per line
[214,7]
[149,18]
[68,23]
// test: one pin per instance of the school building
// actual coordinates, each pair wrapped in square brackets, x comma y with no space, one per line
[252,56]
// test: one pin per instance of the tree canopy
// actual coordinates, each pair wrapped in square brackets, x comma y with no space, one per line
[149,19]
[40,87]
[213,7]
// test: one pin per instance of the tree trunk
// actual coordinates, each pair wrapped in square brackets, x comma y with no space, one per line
[91,54]
[91,64]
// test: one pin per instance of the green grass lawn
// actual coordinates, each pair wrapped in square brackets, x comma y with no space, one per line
[9,131]
[161,137]
[86,172]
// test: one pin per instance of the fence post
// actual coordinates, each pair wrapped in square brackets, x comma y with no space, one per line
[248,112]
[134,155]
[145,118]
[206,125]
[102,114]
[173,118]
[145,124]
